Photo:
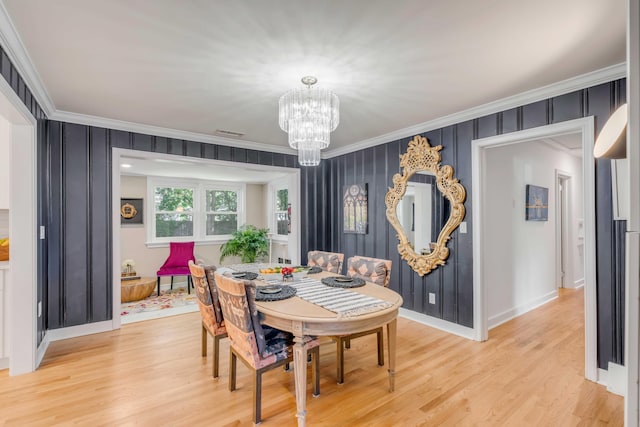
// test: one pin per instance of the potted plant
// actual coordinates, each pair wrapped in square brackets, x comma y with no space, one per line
[248,243]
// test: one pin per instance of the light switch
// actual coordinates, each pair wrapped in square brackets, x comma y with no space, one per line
[42,232]
[432,298]
[463,227]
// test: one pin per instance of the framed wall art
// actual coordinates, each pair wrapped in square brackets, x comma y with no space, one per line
[355,210]
[131,211]
[537,203]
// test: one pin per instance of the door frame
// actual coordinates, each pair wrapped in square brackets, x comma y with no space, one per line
[584,127]
[293,179]
[22,313]
[562,232]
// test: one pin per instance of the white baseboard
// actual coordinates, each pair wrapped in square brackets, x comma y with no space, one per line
[80,330]
[42,349]
[578,283]
[603,377]
[440,324]
[4,363]
[617,379]
[505,316]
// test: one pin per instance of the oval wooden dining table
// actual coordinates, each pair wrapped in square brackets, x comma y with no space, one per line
[303,318]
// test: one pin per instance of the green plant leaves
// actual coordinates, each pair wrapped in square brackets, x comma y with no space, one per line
[248,243]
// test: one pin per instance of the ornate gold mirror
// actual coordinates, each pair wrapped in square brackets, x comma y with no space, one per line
[417,216]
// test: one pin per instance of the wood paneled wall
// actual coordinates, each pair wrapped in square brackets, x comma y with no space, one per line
[453,283]
[74,202]
[80,235]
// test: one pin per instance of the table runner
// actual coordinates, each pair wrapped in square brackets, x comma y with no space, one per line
[344,302]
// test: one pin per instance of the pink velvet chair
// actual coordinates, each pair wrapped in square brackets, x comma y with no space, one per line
[177,264]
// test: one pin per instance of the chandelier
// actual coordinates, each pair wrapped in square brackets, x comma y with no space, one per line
[309,115]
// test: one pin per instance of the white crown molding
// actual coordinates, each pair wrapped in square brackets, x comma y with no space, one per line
[83,119]
[13,46]
[583,81]
[16,51]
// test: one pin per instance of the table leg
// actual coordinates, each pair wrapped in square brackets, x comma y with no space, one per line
[391,342]
[300,372]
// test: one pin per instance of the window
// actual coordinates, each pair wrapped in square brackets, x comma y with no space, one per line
[282,212]
[279,213]
[173,210]
[186,210]
[222,212]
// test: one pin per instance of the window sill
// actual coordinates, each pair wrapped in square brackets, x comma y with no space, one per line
[210,242]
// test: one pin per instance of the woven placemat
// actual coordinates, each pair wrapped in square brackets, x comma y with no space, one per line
[315,269]
[285,292]
[244,275]
[340,282]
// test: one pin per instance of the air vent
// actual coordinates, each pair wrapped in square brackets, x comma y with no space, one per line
[229,133]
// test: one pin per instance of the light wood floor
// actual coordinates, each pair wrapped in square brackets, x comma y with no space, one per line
[530,372]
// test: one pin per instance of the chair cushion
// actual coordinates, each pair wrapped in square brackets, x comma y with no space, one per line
[326,260]
[173,271]
[369,270]
[270,341]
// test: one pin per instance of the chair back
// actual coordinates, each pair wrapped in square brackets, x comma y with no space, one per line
[180,253]
[205,300]
[373,270]
[259,346]
[328,261]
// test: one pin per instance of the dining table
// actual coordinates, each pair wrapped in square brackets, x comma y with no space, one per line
[306,319]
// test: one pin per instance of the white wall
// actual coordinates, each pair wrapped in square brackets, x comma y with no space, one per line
[5,139]
[4,223]
[520,256]
[148,260]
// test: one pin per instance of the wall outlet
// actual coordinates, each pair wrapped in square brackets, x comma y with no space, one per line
[287,261]
[280,260]
[39,308]
[463,227]
[42,232]
[432,298]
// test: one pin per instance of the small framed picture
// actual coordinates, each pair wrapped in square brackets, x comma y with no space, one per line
[131,211]
[354,205]
[537,203]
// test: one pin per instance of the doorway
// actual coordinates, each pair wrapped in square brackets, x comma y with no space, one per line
[20,290]
[165,168]
[563,190]
[584,128]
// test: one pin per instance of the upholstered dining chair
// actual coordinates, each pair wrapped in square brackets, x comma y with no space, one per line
[260,347]
[212,321]
[177,264]
[373,270]
[328,261]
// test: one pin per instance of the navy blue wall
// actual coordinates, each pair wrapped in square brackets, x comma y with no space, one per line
[78,162]
[74,202]
[453,282]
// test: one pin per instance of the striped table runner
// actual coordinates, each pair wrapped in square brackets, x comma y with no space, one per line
[344,302]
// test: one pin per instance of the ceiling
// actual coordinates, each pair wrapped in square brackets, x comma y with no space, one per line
[205,65]
[197,169]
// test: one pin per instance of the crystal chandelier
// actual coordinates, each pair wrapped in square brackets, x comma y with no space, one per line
[309,115]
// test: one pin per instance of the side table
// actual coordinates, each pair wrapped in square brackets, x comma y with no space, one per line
[135,290]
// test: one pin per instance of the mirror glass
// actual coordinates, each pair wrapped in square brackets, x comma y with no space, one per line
[421,211]
[424,206]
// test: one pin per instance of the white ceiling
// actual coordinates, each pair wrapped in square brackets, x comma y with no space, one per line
[204,65]
[207,170]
